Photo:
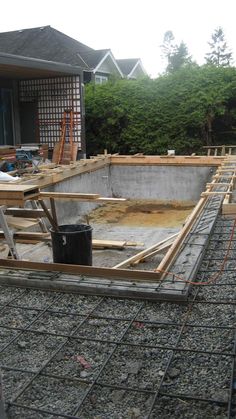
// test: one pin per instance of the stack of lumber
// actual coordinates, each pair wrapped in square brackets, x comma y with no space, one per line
[7,153]
[64,153]
[16,194]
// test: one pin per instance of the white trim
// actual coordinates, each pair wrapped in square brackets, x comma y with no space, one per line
[109,53]
[139,62]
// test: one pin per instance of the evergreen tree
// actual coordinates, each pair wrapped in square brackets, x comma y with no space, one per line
[180,58]
[168,47]
[177,55]
[219,54]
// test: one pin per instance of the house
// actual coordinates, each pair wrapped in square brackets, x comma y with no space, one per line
[103,65]
[33,96]
[132,68]
[98,65]
[42,74]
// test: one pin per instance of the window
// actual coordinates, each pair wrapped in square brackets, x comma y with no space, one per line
[100,79]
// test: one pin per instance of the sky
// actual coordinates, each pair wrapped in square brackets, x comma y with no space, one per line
[130,28]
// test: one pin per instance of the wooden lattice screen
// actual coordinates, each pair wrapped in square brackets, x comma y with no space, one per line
[53,96]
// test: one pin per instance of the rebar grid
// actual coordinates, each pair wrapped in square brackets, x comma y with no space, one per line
[142,357]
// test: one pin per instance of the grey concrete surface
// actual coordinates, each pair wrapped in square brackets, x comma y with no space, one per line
[167,183]
[161,183]
[92,182]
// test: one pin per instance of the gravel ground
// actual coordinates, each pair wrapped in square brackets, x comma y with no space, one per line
[68,355]
[168,408]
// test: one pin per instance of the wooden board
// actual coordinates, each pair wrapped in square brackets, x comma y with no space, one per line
[167,160]
[21,223]
[56,152]
[90,271]
[108,244]
[25,212]
[139,256]
[68,195]
[228,209]
[29,235]
[215,193]
[74,151]
[18,193]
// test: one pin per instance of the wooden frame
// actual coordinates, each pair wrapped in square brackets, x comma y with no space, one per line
[91,271]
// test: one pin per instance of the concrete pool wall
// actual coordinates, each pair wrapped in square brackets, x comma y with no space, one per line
[162,183]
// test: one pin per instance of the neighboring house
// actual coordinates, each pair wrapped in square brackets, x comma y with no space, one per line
[103,65]
[33,96]
[50,44]
[132,68]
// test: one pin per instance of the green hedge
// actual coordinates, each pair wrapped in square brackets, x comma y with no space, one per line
[170,112]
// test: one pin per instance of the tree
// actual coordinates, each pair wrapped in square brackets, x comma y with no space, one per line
[180,58]
[168,47]
[219,54]
[177,55]
[192,107]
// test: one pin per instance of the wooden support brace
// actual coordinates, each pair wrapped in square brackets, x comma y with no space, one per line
[49,216]
[215,193]
[67,195]
[90,271]
[156,247]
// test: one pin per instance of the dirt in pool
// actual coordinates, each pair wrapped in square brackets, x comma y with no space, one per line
[142,213]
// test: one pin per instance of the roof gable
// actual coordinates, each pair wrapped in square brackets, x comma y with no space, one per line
[108,64]
[130,66]
[93,57]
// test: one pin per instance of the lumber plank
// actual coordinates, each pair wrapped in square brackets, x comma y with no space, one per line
[67,195]
[28,235]
[107,199]
[21,223]
[17,193]
[25,212]
[77,196]
[215,193]
[228,209]
[49,216]
[161,249]
[172,252]
[218,184]
[90,271]
[51,175]
[145,252]
[108,244]
[167,160]
[113,244]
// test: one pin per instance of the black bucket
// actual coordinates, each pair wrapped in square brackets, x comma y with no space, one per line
[72,244]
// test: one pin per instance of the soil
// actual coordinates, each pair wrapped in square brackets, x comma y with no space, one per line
[145,213]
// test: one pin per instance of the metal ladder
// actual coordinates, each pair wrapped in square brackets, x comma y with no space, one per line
[8,233]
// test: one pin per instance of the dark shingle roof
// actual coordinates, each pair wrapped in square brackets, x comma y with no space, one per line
[127,64]
[93,58]
[47,43]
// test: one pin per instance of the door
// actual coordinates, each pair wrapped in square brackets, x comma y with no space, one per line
[28,122]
